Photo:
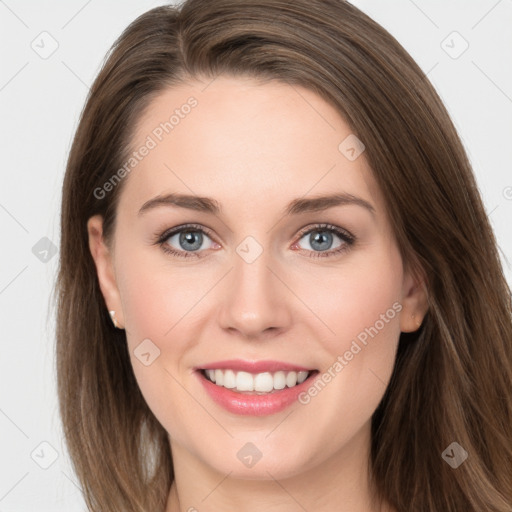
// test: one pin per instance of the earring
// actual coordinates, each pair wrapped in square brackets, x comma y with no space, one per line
[418,322]
[114,321]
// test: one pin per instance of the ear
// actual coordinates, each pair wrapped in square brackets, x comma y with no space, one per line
[414,301]
[104,267]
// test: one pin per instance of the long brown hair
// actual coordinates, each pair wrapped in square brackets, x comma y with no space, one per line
[452,379]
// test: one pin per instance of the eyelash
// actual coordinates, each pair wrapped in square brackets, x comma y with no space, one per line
[347,238]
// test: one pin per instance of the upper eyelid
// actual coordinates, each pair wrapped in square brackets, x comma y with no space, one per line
[323,226]
[190,227]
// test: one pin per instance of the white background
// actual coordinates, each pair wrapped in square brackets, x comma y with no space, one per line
[40,101]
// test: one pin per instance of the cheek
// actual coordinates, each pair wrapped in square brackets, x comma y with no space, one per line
[369,316]
[361,306]
[155,296]
[360,354]
[359,301]
[160,304]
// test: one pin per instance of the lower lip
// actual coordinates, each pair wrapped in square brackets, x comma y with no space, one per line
[254,405]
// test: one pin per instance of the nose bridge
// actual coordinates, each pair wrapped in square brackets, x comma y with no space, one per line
[254,301]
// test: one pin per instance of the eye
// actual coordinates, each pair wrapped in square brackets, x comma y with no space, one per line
[188,241]
[320,239]
[184,241]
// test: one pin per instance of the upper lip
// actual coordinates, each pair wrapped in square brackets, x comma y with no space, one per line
[253,366]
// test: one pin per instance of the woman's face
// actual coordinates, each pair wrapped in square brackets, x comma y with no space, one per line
[255,280]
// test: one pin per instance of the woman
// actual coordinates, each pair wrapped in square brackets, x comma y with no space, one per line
[256,368]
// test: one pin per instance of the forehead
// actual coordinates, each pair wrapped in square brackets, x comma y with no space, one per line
[245,143]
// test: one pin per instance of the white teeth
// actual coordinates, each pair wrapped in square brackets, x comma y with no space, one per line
[291,379]
[244,381]
[229,379]
[301,377]
[264,382]
[279,380]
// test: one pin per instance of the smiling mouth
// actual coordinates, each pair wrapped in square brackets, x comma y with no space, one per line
[256,383]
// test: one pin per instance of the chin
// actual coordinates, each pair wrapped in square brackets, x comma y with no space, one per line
[246,460]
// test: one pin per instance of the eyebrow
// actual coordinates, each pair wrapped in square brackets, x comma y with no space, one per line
[295,207]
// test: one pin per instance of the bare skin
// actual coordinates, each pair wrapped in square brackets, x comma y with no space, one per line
[254,148]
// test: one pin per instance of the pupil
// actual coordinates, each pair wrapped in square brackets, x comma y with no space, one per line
[318,238]
[188,237]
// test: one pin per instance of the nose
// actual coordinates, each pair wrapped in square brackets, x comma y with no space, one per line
[255,303]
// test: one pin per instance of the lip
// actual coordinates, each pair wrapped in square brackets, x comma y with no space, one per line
[253,366]
[254,405]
